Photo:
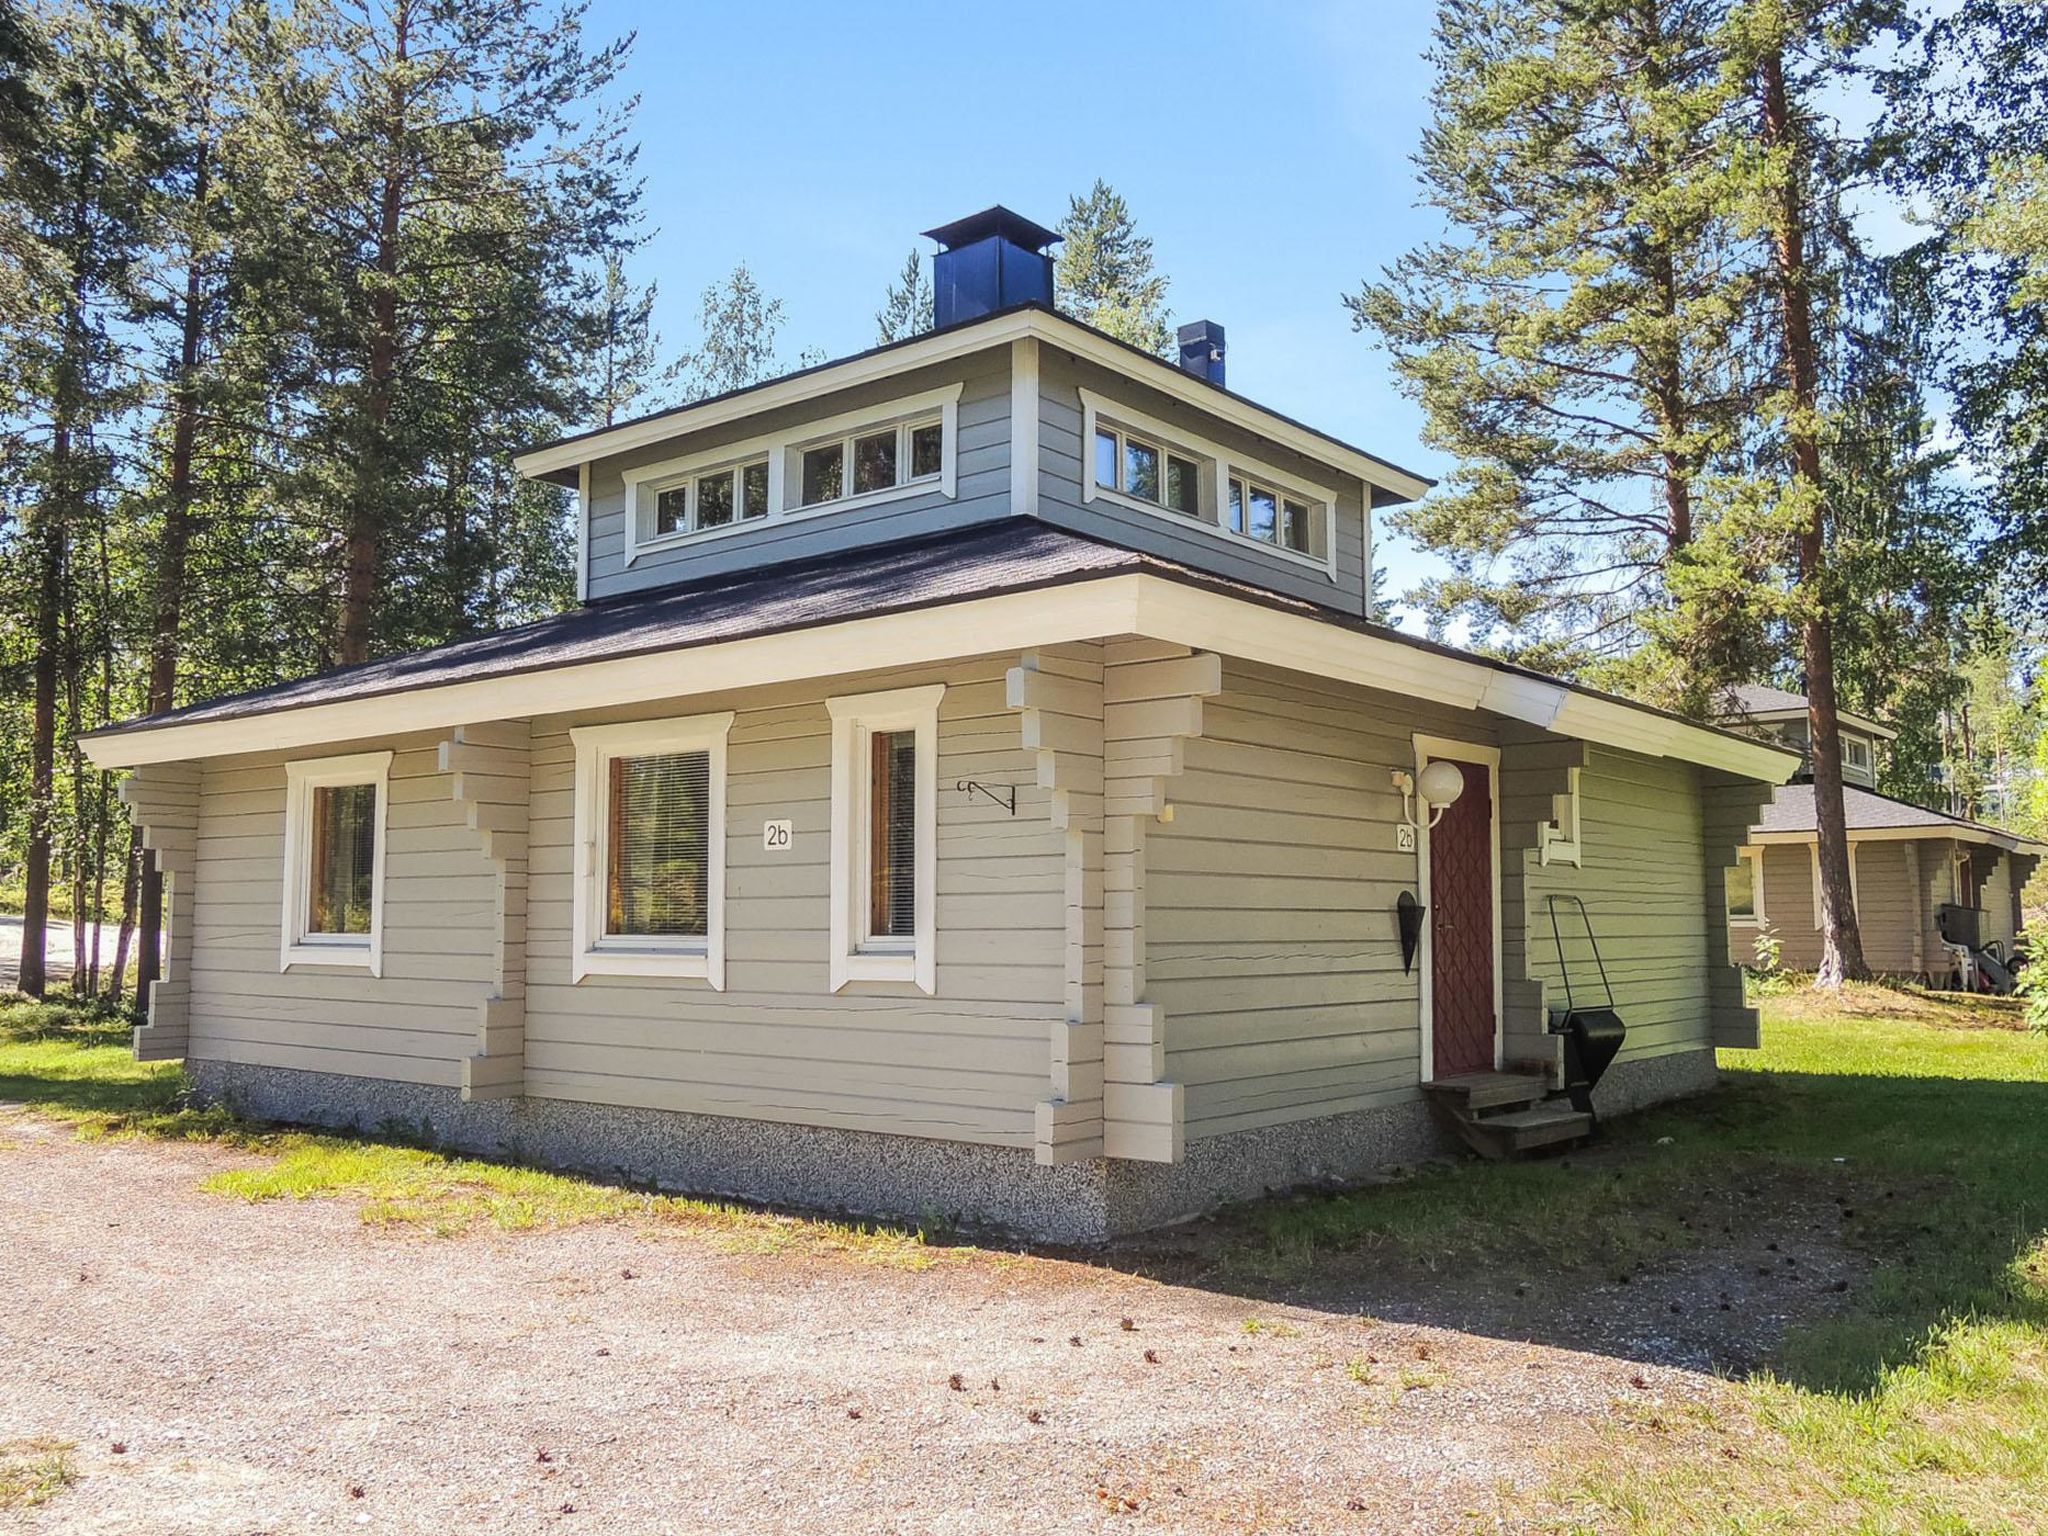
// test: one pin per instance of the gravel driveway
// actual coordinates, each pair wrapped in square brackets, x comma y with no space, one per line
[231,1368]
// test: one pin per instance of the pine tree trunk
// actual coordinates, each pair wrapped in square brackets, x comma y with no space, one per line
[168,611]
[371,493]
[131,883]
[1841,941]
[42,771]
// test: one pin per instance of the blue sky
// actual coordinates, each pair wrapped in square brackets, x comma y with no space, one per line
[1264,148]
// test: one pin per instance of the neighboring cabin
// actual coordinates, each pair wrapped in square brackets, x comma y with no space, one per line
[1905,862]
[974,784]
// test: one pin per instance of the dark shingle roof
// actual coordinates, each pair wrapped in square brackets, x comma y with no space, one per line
[1012,556]
[1762,699]
[1019,554]
[1864,811]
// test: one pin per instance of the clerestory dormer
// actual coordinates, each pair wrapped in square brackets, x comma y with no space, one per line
[1006,408]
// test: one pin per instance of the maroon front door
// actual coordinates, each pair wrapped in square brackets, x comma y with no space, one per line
[1461,930]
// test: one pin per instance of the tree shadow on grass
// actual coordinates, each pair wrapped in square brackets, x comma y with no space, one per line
[1817,1226]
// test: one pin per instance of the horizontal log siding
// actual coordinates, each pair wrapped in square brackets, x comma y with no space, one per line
[982,486]
[970,1063]
[414,1023]
[1270,902]
[1888,908]
[1641,874]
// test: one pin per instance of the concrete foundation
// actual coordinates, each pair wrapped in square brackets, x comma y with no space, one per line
[862,1173]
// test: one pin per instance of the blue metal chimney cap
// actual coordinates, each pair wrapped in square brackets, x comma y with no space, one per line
[1013,227]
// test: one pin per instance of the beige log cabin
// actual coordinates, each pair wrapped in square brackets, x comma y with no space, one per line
[974,785]
[1907,863]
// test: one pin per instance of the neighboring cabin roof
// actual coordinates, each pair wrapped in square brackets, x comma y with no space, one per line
[558,460]
[894,605]
[1790,818]
[1761,702]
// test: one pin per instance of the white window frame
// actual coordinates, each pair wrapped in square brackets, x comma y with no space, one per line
[1855,890]
[592,952]
[1217,466]
[855,719]
[1754,857]
[297,946]
[784,451]
[1166,448]
[1557,842]
[1868,767]
[732,469]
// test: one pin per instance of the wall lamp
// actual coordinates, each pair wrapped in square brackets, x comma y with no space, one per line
[1438,786]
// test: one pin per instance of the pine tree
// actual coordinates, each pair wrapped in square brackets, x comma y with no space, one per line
[1974,115]
[458,185]
[1104,275]
[81,210]
[740,324]
[1575,341]
[907,305]
[628,347]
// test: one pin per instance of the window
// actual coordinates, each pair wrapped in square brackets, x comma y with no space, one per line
[900,447]
[1260,512]
[879,459]
[650,848]
[1143,470]
[885,837]
[1745,888]
[334,862]
[733,494]
[1152,465]
[1856,755]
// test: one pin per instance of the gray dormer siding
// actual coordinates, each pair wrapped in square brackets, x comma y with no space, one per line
[982,385]
[1065,458]
[981,487]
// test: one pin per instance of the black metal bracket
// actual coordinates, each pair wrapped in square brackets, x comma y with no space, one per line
[1007,798]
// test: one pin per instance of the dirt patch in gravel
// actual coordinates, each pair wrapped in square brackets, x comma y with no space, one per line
[225,1367]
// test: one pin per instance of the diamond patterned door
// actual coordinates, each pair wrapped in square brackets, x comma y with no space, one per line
[1461,930]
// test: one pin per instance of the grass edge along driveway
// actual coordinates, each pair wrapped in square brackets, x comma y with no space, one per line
[1923,1406]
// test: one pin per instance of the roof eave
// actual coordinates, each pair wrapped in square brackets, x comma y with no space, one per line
[558,461]
[1092,606]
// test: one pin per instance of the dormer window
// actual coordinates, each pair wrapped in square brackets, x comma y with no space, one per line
[736,493]
[882,460]
[907,447]
[1150,466]
[1273,517]
[1127,463]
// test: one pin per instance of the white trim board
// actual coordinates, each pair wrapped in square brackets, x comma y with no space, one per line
[1427,750]
[1053,329]
[1102,607]
[1991,837]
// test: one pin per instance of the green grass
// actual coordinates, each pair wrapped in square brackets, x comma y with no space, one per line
[1923,1404]
[74,1065]
[33,1472]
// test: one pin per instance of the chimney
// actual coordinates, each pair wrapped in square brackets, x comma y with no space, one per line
[989,261]
[1201,350]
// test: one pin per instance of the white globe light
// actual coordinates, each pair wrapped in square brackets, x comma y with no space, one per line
[1440,783]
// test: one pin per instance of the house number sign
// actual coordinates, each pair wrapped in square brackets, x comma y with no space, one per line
[1404,837]
[777,836]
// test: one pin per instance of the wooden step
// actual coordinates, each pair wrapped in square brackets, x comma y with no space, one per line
[1543,1126]
[1481,1091]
